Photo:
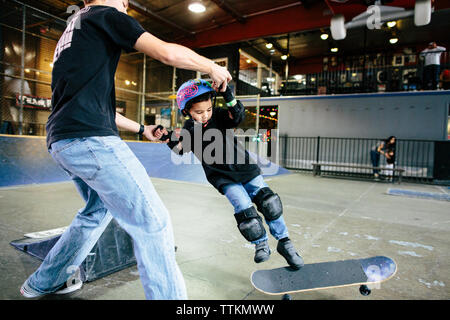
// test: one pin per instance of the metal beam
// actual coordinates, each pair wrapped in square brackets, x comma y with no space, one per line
[149,13]
[230,10]
[288,19]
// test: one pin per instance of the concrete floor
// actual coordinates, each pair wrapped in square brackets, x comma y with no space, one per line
[328,219]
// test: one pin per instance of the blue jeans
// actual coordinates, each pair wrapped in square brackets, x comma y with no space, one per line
[431,76]
[114,184]
[241,195]
[375,159]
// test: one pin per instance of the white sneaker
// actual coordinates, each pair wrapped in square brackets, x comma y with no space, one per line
[74,285]
[28,292]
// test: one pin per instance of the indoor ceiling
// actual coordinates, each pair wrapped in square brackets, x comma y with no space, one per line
[293,27]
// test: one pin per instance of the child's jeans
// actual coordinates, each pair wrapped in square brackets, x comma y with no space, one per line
[241,195]
[114,184]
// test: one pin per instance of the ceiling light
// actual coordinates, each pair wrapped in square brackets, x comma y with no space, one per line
[249,61]
[324,36]
[334,49]
[127,82]
[197,7]
[393,40]
[284,57]
[391,24]
[51,65]
[269,45]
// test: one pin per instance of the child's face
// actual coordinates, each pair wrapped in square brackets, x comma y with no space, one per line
[201,111]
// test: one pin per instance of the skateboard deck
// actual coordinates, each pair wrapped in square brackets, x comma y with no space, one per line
[325,275]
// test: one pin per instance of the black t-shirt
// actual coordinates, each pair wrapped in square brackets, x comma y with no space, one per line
[85,62]
[231,163]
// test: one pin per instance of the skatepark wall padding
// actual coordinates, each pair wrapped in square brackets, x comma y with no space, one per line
[25,160]
[406,115]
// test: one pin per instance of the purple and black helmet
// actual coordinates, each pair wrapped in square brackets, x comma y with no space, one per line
[191,89]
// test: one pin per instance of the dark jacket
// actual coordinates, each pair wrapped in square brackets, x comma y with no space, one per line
[223,157]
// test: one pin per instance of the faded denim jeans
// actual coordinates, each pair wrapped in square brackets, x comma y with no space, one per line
[241,195]
[114,184]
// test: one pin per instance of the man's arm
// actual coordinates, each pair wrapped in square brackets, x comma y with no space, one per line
[126,124]
[183,58]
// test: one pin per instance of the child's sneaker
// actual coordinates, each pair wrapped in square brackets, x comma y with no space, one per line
[262,252]
[287,250]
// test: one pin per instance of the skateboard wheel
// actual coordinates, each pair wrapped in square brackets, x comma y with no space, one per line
[364,290]
[337,26]
[286,297]
[422,12]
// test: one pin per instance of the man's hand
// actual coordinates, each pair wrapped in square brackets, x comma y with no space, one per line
[220,77]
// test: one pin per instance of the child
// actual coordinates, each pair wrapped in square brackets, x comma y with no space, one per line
[240,181]
[390,162]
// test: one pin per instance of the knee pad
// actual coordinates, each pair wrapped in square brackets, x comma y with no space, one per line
[268,203]
[250,224]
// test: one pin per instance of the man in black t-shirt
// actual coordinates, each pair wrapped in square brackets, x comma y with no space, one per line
[82,137]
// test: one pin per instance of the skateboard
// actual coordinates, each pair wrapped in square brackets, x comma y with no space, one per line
[325,275]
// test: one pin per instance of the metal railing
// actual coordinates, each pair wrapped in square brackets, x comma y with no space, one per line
[416,157]
[372,73]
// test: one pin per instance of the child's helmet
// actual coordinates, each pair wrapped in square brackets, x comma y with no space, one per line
[191,89]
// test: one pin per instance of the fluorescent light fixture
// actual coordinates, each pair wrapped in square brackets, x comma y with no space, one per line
[391,24]
[197,7]
[334,49]
[324,36]
[269,45]
[393,40]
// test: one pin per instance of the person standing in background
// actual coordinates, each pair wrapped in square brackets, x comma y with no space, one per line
[432,65]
